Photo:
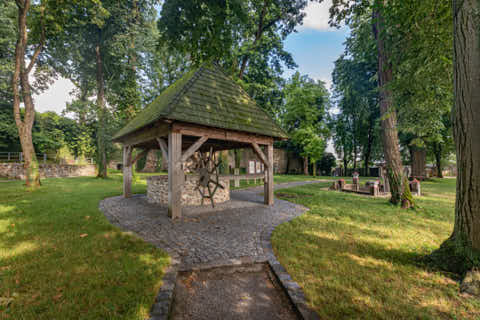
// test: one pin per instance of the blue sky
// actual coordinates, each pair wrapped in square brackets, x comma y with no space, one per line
[315,51]
[314,47]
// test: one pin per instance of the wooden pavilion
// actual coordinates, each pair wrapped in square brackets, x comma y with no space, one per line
[205,109]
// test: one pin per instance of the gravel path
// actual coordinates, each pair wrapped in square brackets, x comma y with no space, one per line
[236,229]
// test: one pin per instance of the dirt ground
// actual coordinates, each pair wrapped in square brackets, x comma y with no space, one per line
[243,292]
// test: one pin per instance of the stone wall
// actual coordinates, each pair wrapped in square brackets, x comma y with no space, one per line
[157,191]
[17,171]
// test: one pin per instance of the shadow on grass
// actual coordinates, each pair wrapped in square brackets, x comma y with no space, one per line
[348,278]
[359,257]
[61,259]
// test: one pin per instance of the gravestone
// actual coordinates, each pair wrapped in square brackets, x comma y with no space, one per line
[415,187]
[374,187]
[356,181]
[385,180]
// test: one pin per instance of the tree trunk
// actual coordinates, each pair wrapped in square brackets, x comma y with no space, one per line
[399,187]
[345,166]
[20,78]
[314,168]
[466,116]
[418,162]
[368,151]
[437,150]
[101,112]
[305,166]
[258,36]
[355,154]
[151,162]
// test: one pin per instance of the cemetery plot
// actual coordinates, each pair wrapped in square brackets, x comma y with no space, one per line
[241,292]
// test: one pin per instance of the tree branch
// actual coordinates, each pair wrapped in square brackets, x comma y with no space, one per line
[39,48]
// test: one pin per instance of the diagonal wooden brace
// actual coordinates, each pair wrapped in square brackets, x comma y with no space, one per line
[260,154]
[193,148]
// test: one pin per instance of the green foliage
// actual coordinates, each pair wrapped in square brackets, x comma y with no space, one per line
[244,37]
[419,42]
[356,126]
[305,115]
[313,144]
[8,33]
[327,162]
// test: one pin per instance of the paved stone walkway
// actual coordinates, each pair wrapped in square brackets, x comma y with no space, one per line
[237,229]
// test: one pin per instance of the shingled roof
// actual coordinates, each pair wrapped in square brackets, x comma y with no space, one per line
[206,96]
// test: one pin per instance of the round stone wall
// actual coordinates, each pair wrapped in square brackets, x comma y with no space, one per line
[157,191]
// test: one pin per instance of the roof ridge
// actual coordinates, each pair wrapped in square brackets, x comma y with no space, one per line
[176,98]
[250,98]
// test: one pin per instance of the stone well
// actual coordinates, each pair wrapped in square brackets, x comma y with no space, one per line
[157,191]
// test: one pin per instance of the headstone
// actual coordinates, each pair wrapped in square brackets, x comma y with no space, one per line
[374,187]
[415,187]
[236,172]
[251,167]
[356,181]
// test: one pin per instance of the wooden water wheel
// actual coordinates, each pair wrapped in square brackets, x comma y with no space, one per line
[209,180]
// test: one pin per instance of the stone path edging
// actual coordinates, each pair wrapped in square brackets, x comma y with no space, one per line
[263,253]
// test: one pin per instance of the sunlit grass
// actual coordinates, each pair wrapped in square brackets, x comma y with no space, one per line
[61,259]
[359,257]
[279,178]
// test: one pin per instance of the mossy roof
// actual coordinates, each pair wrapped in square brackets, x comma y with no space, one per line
[208,97]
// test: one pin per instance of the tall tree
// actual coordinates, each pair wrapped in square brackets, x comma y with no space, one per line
[104,40]
[342,11]
[245,37]
[399,186]
[306,116]
[466,115]
[21,87]
[355,89]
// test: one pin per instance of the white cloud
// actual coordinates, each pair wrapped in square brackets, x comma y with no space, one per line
[327,80]
[317,16]
[56,97]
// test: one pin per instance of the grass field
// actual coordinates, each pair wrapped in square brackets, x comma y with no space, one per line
[360,258]
[355,257]
[61,259]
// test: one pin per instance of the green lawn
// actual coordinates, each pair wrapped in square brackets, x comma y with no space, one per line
[360,258]
[279,178]
[61,259]
[355,257]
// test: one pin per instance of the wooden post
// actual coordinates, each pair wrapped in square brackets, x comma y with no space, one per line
[236,172]
[127,171]
[164,148]
[175,175]
[268,186]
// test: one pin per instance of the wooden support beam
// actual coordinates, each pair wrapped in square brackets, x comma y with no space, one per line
[127,171]
[145,135]
[260,154]
[175,175]
[163,147]
[193,148]
[139,156]
[268,182]
[188,129]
